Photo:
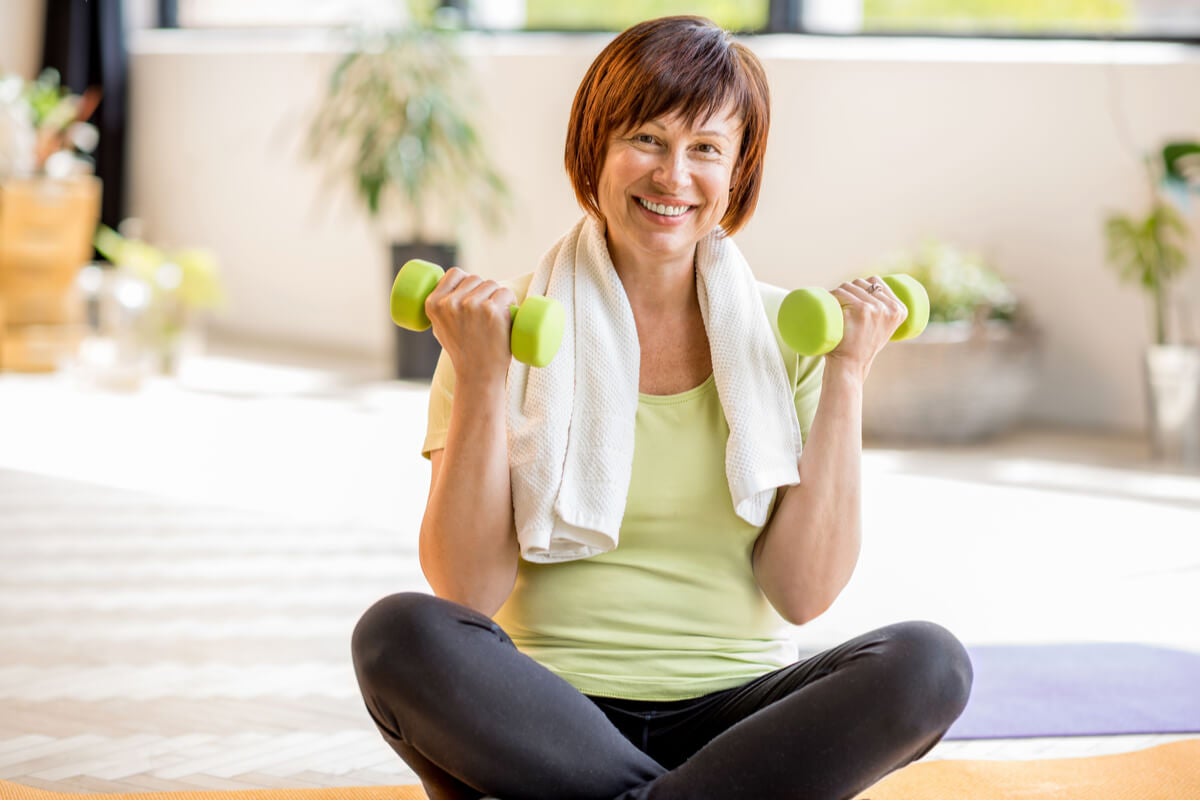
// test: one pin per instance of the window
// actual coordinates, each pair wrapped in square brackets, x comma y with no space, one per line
[615,15]
[1159,18]
[281,13]
[1177,20]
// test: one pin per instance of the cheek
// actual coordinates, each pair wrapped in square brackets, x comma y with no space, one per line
[607,195]
[722,193]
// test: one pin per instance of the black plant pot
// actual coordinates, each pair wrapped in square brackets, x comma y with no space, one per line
[417,351]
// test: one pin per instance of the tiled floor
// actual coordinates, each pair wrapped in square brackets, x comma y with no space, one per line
[182,566]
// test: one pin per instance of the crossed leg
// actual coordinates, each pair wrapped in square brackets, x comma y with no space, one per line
[473,716]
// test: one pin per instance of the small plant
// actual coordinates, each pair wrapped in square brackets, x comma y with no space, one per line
[395,119]
[962,286]
[1151,250]
[190,276]
[44,128]
[178,284]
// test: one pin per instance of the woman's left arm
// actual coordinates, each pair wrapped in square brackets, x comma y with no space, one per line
[807,552]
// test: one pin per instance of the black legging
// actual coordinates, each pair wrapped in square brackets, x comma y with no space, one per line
[473,716]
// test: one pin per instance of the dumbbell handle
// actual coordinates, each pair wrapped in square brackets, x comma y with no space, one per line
[810,319]
[537,323]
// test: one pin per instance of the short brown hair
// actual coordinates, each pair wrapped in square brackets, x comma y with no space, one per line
[682,65]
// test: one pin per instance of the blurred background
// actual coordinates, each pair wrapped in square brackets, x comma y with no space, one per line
[203,204]
[1013,135]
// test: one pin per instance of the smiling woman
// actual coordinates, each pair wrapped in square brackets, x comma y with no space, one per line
[618,540]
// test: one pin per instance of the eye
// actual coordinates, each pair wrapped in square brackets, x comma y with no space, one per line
[708,149]
[644,138]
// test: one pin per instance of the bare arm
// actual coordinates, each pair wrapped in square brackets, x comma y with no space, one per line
[468,543]
[808,550]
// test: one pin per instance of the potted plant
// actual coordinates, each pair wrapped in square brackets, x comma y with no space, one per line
[970,374]
[44,129]
[395,120]
[49,207]
[1150,250]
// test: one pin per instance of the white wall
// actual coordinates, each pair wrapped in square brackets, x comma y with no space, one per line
[1009,148]
[21,23]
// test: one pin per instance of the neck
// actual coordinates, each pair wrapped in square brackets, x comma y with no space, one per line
[660,286]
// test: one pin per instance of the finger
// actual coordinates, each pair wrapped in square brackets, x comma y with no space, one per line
[874,286]
[885,289]
[506,296]
[484,294]
[851,294]
[887,296]
[452,278]
[463,290]
[449,293]
[881,296]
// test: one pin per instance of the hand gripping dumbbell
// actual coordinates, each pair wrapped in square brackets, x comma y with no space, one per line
[810,320]
[537,325]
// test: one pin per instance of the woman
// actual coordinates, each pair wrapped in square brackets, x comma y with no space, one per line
[617,542]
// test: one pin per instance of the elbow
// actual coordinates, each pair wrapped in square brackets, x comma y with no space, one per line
[799,612]
[485,594]
[800,602]
[482,586]
[485,601]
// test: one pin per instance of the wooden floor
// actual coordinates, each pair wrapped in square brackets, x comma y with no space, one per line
[155,645]
[181,567]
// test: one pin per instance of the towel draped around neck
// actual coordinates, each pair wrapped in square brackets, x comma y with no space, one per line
[571,424]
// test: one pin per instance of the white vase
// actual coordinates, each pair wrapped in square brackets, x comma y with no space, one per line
[1173,403]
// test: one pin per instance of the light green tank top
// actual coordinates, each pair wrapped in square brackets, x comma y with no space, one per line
[674,611]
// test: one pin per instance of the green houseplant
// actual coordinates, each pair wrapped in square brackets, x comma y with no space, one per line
[970,374]
[396,122]
[1151,250]
[963,287]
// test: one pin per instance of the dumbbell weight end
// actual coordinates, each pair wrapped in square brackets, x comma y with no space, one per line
[537,330]
[414,283]
[912,294]
[810,321]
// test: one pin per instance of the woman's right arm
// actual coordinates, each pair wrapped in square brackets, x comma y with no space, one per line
[468,542]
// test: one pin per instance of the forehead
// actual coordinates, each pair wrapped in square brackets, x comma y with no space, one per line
[725,121]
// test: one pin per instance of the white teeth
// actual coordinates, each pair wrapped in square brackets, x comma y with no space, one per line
[666,211]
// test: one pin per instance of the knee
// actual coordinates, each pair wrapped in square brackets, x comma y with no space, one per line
[931,675]
[393,636]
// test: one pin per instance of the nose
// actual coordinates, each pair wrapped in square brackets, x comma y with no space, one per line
[671,173]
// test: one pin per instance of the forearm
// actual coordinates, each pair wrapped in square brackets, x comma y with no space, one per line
[468,545]
[806,555]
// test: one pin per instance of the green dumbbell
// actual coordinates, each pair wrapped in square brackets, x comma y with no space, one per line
[537,327]
[810,320]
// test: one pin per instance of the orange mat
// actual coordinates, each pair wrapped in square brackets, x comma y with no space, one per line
[1169,771]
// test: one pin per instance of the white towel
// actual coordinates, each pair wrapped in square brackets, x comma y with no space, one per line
[571,423]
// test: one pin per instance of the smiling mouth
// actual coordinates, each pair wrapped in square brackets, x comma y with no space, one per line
[663,209]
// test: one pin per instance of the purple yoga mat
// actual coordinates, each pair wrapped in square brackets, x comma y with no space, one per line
[1080,689]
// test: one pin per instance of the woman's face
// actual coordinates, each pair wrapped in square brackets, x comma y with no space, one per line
[665,185]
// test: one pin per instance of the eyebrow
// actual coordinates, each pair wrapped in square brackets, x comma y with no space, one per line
[705,132]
